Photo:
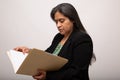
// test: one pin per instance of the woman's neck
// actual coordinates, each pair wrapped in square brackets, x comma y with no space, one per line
[65,38]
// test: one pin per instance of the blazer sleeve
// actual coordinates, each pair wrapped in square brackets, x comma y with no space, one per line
[81,57]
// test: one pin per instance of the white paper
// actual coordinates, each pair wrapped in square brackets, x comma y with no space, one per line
[16,58]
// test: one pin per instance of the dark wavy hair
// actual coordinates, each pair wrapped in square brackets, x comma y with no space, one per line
[70,12]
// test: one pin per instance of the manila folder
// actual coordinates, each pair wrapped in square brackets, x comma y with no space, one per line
[38,59]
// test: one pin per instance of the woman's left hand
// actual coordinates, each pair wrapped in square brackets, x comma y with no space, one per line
[41,75]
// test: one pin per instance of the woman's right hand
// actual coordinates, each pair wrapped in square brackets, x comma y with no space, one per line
[22,49]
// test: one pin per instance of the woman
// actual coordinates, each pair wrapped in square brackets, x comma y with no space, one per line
[72,42]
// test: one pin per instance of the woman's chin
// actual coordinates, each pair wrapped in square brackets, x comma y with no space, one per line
[61,33]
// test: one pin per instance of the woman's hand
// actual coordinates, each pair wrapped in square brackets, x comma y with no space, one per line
[41,75]
[22,49]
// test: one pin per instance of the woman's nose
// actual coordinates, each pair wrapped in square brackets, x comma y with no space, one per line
[58,24]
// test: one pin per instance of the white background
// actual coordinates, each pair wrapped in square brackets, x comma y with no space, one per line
[28,23]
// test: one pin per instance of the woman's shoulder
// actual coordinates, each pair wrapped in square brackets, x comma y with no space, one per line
[57,37]
[81,36]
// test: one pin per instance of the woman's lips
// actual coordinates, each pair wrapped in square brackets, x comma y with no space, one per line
[60,30]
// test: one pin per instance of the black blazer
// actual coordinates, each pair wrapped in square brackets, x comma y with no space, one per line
[78,49]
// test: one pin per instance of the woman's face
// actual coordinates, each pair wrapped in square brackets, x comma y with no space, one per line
[63,23]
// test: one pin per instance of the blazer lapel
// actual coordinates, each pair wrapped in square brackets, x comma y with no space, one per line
[66,45]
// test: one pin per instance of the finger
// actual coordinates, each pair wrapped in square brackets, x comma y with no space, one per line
[38,77]
[16,49]
[25,50]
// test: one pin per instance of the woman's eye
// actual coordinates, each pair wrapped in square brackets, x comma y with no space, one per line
[61,20]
